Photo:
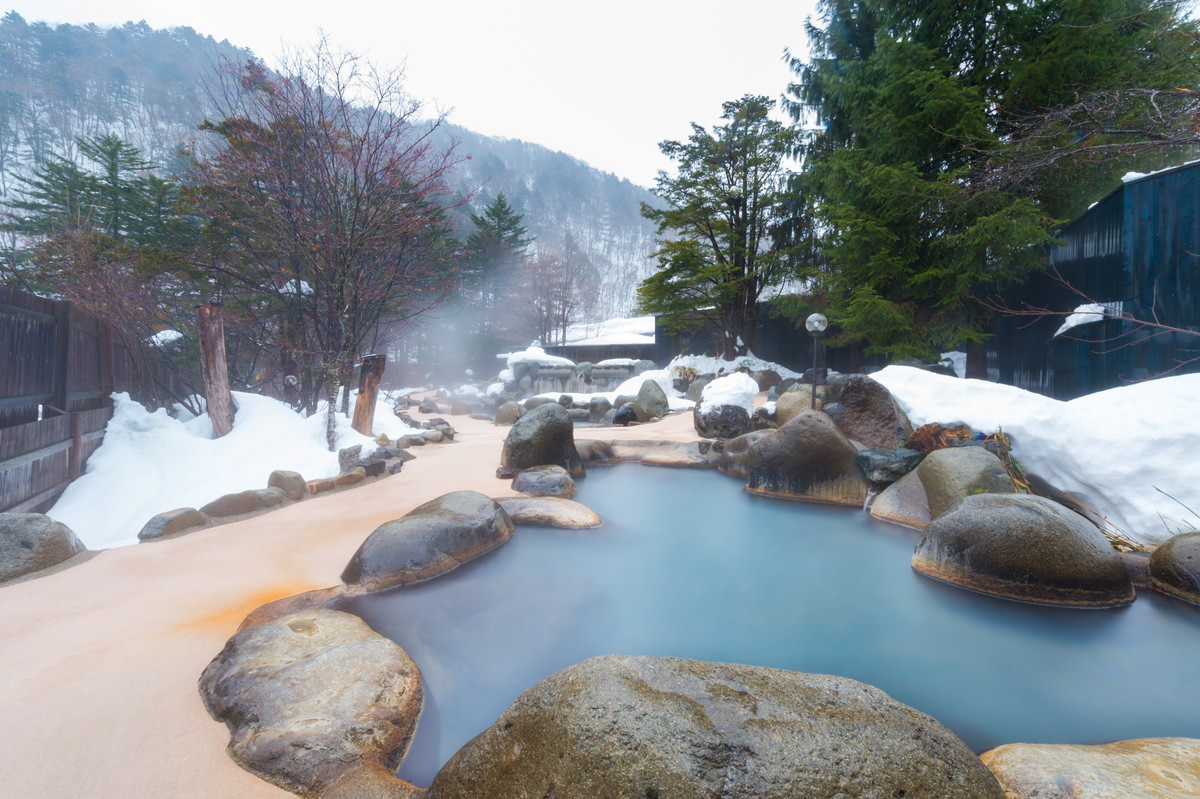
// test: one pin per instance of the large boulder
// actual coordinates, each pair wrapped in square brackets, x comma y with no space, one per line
[653,400]
[1175,567]
[867,413]
[544,481]
[542,437]
[429,541]
[949,475]
[1024,547]
[1147,768]
[721,421]
[733,458]
[311,695]
[644,727]
[30,542]
[807,458]
[508,413]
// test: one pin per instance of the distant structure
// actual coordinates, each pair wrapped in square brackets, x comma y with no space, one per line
[1135,255]
[629,338]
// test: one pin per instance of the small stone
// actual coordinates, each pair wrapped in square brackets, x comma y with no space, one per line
[551,512]
[243,502]
[355,475]
[291,483]
[172,522]
[545,481]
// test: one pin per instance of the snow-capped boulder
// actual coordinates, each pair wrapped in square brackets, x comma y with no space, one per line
[30,542]
[668,727]
[312,695]
[1175,567]
[726,406]
[807,458]
[430,540]
[1023,547]
[544,436]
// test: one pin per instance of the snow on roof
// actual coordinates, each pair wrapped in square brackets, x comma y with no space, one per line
[536,355]
[1132,177]
[612,332]
[1085,314]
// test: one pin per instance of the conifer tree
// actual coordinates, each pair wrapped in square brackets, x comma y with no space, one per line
[911,100]
[720,241]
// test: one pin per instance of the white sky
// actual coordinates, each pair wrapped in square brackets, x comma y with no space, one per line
[603,82]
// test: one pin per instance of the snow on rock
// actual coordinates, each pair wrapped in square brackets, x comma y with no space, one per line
[164,338]
[708,365]
[1120,452]
[537,356]
[1085,314]
[737,389]
[150,463]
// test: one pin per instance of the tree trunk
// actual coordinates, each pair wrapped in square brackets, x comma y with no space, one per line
[977,360]
[368,390]
[214,368]
[331,392]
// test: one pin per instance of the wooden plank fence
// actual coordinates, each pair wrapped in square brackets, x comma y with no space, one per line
[58,369]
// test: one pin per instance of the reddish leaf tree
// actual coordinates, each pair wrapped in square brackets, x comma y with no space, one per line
[326,204]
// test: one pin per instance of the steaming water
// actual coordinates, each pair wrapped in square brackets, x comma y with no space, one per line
[687,564]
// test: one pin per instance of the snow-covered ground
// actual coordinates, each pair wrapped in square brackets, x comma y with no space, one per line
[1129,453]
[150,462]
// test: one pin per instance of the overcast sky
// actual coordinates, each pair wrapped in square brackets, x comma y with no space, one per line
[604,82]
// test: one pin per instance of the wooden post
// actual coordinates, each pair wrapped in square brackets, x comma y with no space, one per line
[213,366]
[63,344]
[368,390]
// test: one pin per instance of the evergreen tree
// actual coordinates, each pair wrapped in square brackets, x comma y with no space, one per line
[495,250]
[720,242]
[913,98]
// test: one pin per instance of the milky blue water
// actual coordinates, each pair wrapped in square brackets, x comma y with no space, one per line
[688,565]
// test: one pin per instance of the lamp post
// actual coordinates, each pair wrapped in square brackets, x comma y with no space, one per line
[815,324]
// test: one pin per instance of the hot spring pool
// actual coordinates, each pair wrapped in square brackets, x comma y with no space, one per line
[688,564]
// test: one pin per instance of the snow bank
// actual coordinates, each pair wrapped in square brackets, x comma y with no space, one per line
[1120,452]
[705,364]
[737,389]
[150,463]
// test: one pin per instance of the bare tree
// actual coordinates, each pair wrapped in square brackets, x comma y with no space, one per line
[327,208]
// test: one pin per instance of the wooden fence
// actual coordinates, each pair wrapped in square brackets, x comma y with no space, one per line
[58,369]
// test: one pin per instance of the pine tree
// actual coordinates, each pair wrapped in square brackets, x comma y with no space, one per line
[913,98]
[720,246]
[495,250]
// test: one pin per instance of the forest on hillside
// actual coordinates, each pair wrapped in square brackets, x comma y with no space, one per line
[152,88]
